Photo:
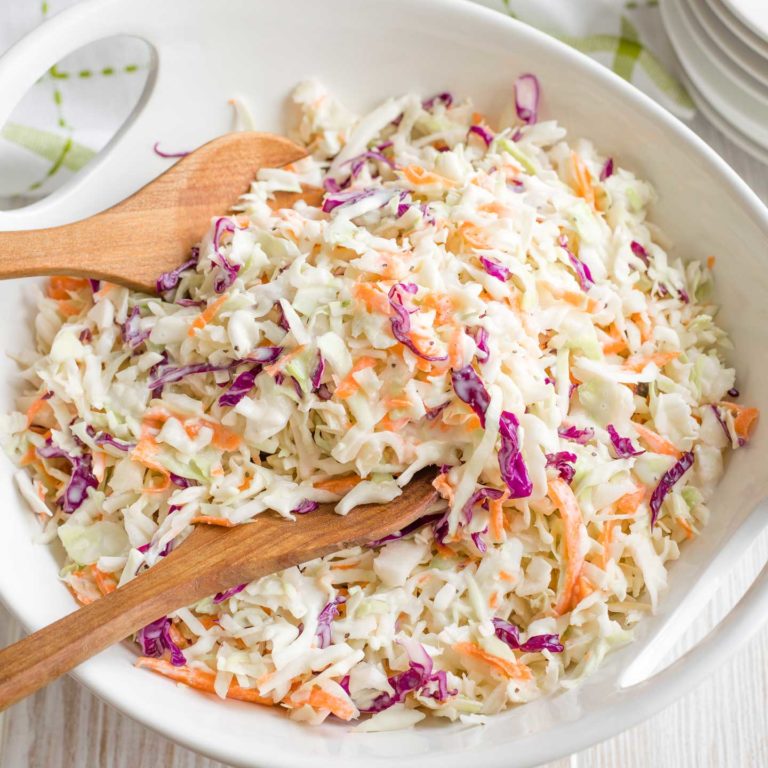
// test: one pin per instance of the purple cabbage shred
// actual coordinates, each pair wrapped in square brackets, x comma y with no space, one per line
[305,507]
[400,321]
[579,267]
[169,280]
[563,462]
[510,634]
[484,133]
[607,170]
[527,92]
[469,387]
[410,528]
[511,463]
[156,638]
[325,619]
[220,597]
[133,336]
[240,387]
[668,479]
[182,482]
[576,435]
[640,252]
[494,268]
[622,445]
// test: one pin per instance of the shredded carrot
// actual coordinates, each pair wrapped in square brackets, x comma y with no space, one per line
[320,699]
[81,597]
[200,679]
[655,442]
[281,362]
[69,308]
[443,487]
[207,315]
[419,176]
[346,566]
[223,437]
[744,419]
[493,601]
[372,297]
[339,485]
[29,457]
[619,343]
[104,581]
[496,523]
[473,236]
[388,424]
[644,325]
[509,669]
[637,363]
[395,403]
[348,385]
[245,485]
[564,499]
[442,304]
[583,178]
[60,286]
[99,465]
[584,588]
[710,262]
[104,290]
[34,409]
[686,526]
[629,502]
[222,522]
[455,348]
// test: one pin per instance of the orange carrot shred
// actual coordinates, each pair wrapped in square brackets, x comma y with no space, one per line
[509,669]
[655,442]
[339,485]
[565,500]
[207,315]
[223,522]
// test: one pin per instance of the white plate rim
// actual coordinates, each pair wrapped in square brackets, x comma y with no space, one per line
[729,66]
[701,72]
[747,13]
[755,42]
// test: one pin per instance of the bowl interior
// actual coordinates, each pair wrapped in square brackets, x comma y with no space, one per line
[364,53]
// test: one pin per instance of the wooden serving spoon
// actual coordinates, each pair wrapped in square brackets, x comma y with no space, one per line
[210,560]
[152,231]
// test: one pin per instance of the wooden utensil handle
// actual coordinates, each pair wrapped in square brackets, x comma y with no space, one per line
[37,660]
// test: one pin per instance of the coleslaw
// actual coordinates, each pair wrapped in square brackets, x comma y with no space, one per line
[488,301]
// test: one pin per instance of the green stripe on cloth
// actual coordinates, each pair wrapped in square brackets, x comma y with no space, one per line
[628,50]
[60,150]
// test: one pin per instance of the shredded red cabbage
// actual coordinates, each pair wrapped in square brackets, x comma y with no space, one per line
[527,93]
[722,422]
[85,336]
[305,507]
[607,170]
[442,98]
[133,336]
[169,280]
[433,413]
[510,634]
[106,439]
[668,479]
[640,252]
[156,638]
[229,271]
[220,597]
[182,482]
[418,677]
[622,445]
[480,336]
[400,321]
[480,496]
[156,149]
[317,374]
[331,185]
[323,392]
[95,285]
[683,295]
[494,268]
[410,528]
[81,479]
[563,462]
[340,199]
[240,387]
[576,435]
[358,162]
[469,387]
[479,542]
[144,548]
[511,463]
[484,133]
[324,620]
[579,267]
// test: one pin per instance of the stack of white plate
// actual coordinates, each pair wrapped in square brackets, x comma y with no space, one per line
[723,47]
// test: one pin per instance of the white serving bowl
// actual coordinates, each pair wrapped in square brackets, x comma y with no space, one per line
[207,52]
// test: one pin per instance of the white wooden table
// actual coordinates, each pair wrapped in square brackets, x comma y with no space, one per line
[722,724]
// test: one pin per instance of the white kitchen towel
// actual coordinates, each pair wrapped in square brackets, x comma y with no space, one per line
[73,111]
